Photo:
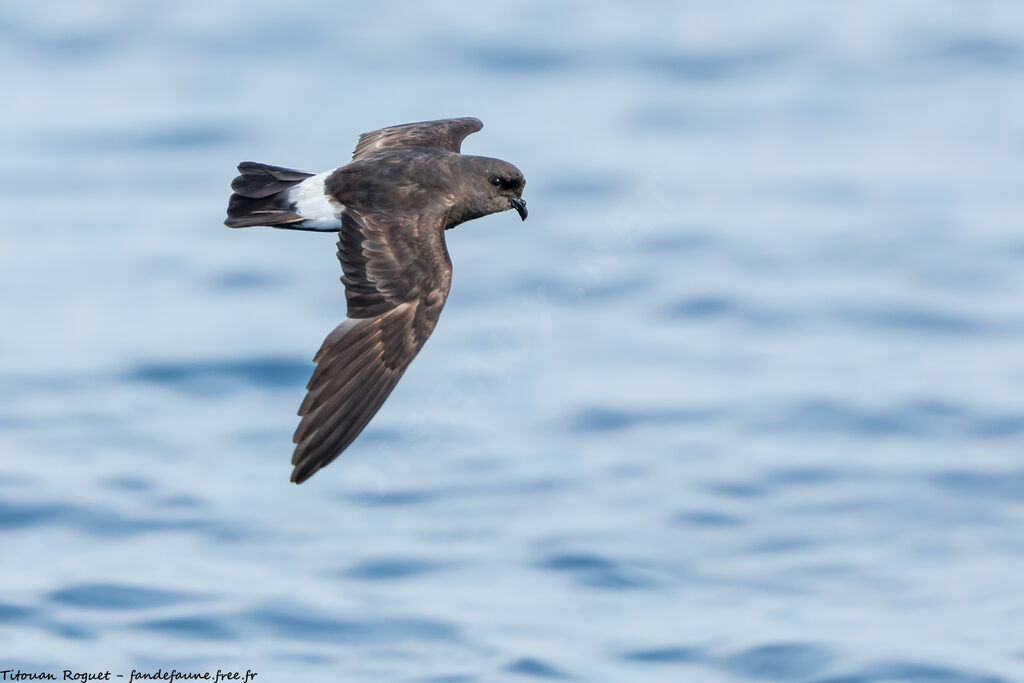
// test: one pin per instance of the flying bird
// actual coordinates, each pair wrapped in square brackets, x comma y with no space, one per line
[391,205]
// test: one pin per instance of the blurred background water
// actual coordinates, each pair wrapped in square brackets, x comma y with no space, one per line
[743,400]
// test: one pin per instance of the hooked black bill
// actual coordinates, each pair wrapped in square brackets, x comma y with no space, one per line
[519,205]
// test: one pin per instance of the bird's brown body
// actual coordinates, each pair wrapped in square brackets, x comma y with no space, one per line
[391,206]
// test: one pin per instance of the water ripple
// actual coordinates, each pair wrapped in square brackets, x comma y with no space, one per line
[393,498]
[509,58]
[211,627]
[19,515]
[391,568]
[530,666]
[708,307]
[106,523]
[15,613]
[912,672]
[1008,485]
[974,51]
[672,654]
[586,186]
[70,631]
[109,596]
[244,280]
[920,320]
[596,419]
[183,136]
[909,419]
[732,64]
[706,518]
[780,662]
[293,623]
[218,376]
[592,571]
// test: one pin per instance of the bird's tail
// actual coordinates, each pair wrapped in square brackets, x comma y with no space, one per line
[261,196]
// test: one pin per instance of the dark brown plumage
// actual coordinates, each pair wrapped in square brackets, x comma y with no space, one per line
[391,205]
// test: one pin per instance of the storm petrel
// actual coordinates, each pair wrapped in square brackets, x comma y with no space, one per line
[390,206]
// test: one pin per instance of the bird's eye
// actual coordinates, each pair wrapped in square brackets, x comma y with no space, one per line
[496,181]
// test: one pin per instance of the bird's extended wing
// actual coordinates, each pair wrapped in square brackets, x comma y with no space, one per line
[446,133]
[397,276]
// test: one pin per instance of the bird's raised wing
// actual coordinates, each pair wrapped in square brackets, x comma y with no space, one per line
[397,276]
[446,133]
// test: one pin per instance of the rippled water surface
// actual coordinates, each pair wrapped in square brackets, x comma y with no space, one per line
[743,400]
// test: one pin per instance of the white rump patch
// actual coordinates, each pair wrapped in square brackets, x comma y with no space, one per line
[319,211]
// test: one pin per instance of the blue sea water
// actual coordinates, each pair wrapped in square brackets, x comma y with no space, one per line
[743,400]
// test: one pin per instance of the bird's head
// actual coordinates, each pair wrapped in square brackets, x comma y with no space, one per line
[490,186]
